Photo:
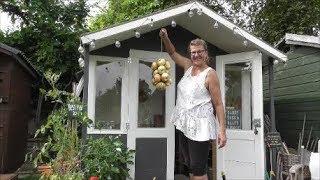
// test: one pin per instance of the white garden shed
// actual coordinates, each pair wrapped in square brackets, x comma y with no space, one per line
[121,98]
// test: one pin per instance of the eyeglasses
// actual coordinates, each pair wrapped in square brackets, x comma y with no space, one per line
[200,52]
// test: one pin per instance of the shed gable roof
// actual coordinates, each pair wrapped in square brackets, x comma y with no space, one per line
[21,59]
[200,25]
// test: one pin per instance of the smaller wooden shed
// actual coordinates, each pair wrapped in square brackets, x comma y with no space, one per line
[17,80]
[297,89]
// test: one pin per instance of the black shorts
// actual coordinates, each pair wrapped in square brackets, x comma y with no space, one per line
[195,154]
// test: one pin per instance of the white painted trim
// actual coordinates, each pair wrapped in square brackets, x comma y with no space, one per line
[79,87]
[134,24]
[130,26]
[220,155]
[302,40]
[92,94]
[257,110]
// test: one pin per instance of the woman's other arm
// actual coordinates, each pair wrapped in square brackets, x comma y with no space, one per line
[214,89]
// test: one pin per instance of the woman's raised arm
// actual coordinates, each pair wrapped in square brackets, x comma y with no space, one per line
[180,60]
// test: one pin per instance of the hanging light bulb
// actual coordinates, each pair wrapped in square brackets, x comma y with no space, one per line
[81,62]
[235,30]
[117,44]
[190,13]
[173,23]
[245,43]
[275,62]
[151,22]
[81,49]
[92,44]
[199,11]
[215,25]
[137,34]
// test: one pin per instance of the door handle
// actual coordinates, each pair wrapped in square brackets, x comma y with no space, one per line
[256,123]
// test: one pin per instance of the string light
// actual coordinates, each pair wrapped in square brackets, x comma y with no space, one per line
[215,25]
[81,49]
[275,62]
[92,44]
[190,13]
[117,44]
[235,30]
[137,34]
[81,62]
[199,11]
[151,22]
[245,43]
[173,23]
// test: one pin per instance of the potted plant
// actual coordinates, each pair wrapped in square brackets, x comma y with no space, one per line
[94,178]
[106,158]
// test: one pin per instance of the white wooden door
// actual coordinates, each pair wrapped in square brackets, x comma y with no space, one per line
[241,86]
[149,131]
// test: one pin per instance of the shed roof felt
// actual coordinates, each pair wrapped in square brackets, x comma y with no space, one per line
[302,40]
[21,59]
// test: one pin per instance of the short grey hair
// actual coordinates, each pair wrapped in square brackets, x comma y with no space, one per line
[198,42]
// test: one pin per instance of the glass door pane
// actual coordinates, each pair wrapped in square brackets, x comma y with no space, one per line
[238,95]
[151,109]
[108,95]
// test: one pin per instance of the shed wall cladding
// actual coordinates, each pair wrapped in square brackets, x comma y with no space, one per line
[297,92]
[150,41]
[14,114]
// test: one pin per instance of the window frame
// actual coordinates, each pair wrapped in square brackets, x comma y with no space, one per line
[93,59]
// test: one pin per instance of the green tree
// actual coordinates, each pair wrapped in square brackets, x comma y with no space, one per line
[286,16]
[125,10]
[269,20]
[48,33]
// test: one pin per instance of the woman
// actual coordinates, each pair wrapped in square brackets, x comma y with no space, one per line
[197,93]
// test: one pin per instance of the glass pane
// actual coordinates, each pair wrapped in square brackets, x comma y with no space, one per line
[238,95]
[108,95]
[151,110]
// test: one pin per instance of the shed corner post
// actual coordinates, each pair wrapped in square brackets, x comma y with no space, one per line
[85,87]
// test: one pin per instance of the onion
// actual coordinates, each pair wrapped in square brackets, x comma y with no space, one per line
[164,76]
[157,78]
[155,72]
[167,65]
[154,66]
[161,62]
[161,69]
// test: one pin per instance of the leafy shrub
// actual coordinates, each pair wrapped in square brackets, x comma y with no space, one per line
[107,158]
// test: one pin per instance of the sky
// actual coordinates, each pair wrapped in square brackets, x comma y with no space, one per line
[6,24]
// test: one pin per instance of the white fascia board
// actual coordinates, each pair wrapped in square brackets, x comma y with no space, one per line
[272,51]
[135,24]
[303,40]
